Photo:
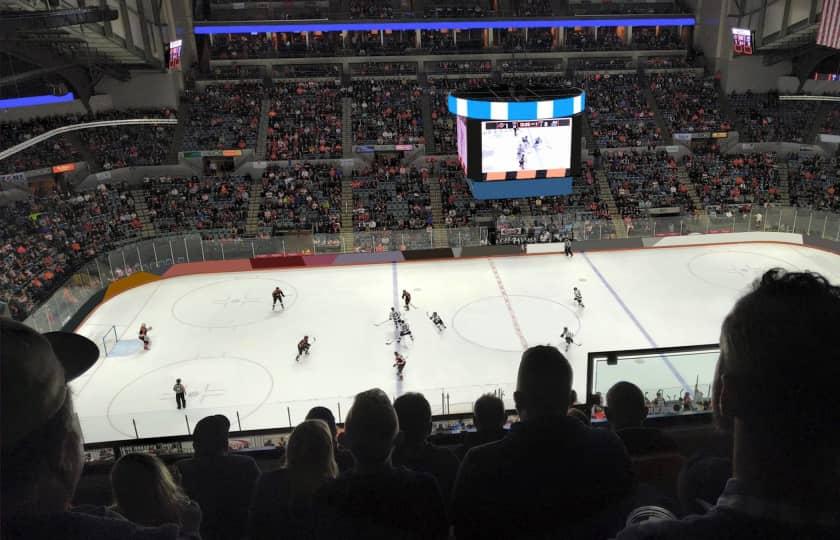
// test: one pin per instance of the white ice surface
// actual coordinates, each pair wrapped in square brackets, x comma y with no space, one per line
[217,331]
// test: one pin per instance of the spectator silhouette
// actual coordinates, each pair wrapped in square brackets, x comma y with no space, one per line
[145,493]
[376,500]
[283,498]
[626,412]
[414,451]
[343,457]
[778,346]
[568,479]
[42,442]
[489,418]
[222,484]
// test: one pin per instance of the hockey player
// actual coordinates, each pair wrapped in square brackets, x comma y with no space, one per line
[568,336]
[143,336]
[578,298]
[399,363]
[278,296]
[438,322]
[395,317]
[303,348]
[406,296]
[567,247]
[405,330]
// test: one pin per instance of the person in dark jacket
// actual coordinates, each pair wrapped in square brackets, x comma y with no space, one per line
[343,457]
[489,418]
[283,498]
[565,480]
[221,483]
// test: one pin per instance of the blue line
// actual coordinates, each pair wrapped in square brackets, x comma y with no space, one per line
[396,298]
[641,328]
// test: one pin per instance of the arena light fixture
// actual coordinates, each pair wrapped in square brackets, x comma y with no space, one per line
[33,101]
[440,25]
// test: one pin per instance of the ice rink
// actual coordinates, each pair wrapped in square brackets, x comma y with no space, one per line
[236,356]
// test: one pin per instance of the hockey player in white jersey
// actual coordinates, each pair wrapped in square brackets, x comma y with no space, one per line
[578,297]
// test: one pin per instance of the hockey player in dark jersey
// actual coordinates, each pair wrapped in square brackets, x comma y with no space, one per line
[406,296]
[278,296]
[143,335]
[303,348]
[568,336]
[438,322]
[399,363]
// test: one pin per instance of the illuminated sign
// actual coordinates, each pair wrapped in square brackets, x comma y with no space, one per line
[64,167]
[742,41]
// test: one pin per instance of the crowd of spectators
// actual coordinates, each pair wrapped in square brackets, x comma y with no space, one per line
[765,118]
[241,46]
[384,477]
[198,203]
[390,195]
[619,115]
[129,146]
[831,124]
[387,111]
[601,64]
[233,73]
[459,66]
[535,39]
[585,39]
[306,71]
[443,122]
[46,238]
[371,9]
[304,197]
[223,117]
[447,9]
[53,151]
[814,182]
[688,102]
[736,180]
[640,181]
[304,120]
[656,38]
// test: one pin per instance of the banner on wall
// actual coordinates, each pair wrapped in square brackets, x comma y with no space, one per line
[15,179]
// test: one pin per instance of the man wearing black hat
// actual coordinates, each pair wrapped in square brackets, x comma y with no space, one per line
[42,455]
[222,484]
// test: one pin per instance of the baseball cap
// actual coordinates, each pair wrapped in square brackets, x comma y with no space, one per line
[34,372]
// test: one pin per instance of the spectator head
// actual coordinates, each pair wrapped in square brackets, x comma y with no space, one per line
[310,458]
[41,438]
[324,414]
[415,417]
[371,427]
[144,490]
[210,437]
[489,413]
[778,347]
[625,406]
[543,383]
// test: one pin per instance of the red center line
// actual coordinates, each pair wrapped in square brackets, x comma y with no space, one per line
[514,320]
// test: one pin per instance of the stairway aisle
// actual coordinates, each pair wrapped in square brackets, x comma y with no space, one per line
[262,131]
[142,210]
[79,145]
[347,212]
[784,182]
[252,225]
[184,111]
[810,136]
[347,128]
[426,111]
[605,194]
[661,123]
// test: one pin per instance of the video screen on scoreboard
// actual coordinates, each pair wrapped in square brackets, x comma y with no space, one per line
[522,148]
[742,41]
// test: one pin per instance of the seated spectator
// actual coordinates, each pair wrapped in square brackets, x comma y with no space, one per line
[145,493]
[786,475]
[489,417]
[282,502]
[701,482]
[376,499]
[343,457]
[568,479]
[42,442]
[221,483]
[626,412]
[414,451]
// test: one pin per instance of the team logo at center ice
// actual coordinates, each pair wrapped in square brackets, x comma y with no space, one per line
[744,270]
[228,301]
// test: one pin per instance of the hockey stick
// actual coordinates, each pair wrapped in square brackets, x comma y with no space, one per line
[380,324]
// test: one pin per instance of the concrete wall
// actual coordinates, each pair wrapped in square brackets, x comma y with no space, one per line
[145,89]
[749,73]
[789,85]
[712,27]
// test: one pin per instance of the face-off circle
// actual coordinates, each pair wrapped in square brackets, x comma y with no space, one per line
[215,384]
[734,270]
[487,322]
[232,303]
